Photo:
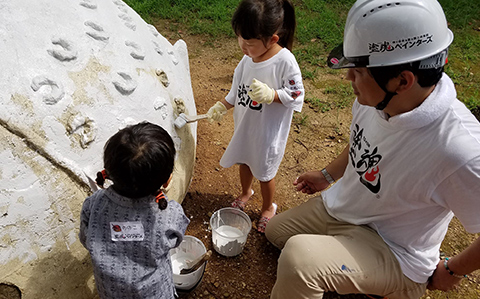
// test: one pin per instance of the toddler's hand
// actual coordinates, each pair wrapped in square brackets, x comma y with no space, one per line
[261,92]
[216,112]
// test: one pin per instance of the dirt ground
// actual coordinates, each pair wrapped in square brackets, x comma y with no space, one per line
[315,139]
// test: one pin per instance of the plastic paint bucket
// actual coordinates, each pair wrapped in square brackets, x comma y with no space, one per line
[230,228]
[190,249]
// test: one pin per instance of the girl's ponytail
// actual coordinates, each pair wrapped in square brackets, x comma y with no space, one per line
[289,25]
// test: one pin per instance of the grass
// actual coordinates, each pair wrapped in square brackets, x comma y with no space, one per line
[211,17]
[464,59]
[300,119]
[340,96]
[320,28]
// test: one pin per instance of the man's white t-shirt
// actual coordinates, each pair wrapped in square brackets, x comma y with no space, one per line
[408,175]
[261,131]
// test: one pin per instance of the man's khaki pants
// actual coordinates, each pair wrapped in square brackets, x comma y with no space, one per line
[320,253]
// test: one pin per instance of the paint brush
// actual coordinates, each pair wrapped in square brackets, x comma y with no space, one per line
[183,119]
[196,263]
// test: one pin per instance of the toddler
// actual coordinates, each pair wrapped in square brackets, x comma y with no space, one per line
[130,227]
[267,87]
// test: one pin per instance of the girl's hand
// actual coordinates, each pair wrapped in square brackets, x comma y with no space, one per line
[261,92]
[311,182]
[216,112]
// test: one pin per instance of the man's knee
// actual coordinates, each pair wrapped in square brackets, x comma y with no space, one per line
[297,274]
[302,219]
[296,257]
[272,234]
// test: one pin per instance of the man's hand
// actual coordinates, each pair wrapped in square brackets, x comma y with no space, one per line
[311,182]
[261,92]
[216,112]
[442,280]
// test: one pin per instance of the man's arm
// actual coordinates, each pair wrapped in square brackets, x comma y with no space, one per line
[337,167]
[464,263]
[314,181]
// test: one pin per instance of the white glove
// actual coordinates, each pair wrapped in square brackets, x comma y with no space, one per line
[216,112]
[261,92]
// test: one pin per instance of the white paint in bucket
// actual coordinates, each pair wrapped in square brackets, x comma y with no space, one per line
[230,231]
[230,228]
[190,249]
[179,261]
[229,240]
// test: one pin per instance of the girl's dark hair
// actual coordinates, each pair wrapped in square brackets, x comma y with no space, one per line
[139,159]
[261,19]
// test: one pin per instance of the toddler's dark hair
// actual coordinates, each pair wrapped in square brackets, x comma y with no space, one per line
[139,159]
[261,19]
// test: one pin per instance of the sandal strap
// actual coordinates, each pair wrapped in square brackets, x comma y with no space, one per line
[262,224]
[237,203]
[264,219]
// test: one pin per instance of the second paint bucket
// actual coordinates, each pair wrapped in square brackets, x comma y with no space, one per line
[230,228]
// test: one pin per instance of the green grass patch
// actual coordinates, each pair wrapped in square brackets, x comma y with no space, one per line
[300,119]
[210,17]
[339,95]
[463,17]
[320,25]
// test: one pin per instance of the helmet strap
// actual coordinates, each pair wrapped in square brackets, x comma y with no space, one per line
[386,99]
[389,95]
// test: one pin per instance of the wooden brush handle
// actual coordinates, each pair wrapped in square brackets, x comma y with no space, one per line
[198,264]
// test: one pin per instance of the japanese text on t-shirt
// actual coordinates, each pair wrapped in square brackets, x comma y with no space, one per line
[365,160]
[245,100]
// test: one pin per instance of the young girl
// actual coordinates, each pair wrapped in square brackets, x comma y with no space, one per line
[130,227]
[267,87]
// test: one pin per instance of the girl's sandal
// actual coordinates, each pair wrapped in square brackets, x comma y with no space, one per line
[262,223]
[239,204]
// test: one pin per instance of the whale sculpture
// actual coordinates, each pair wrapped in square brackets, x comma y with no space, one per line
[72,74]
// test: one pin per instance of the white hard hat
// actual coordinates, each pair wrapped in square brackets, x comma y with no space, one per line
[385,32]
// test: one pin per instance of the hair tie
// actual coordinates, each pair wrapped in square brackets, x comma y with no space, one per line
[101,177]
[161,199]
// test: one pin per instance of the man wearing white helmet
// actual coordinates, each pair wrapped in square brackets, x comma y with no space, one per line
[412,163]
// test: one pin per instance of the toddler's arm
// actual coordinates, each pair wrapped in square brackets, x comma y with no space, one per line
[292,92]
[84,219]
[177,223]
[262,93]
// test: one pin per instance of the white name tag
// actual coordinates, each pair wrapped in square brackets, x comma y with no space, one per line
[127,231]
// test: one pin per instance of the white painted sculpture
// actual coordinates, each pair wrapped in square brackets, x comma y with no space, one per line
[72,74]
